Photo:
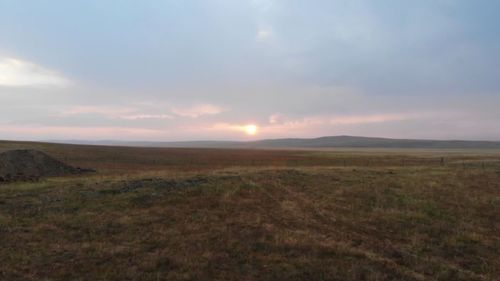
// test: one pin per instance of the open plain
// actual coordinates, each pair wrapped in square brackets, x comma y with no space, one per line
[231,214]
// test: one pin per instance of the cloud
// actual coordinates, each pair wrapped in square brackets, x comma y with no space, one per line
[90,132]
[263,34]
[113,112]
[280,125]
[276,118]
[19,73]
[281,120]
[329,67]
[367,119]
[110,111]
[228,127]
[263,5]
[197,110]
[146,116]
[143,111]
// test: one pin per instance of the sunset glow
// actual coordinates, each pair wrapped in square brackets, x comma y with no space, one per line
[251,129]
[245,70]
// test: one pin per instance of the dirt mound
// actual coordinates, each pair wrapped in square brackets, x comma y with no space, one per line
[31,165]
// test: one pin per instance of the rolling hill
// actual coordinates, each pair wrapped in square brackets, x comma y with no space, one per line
[322,142]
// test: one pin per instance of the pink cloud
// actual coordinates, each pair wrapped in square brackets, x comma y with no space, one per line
[114,112]
[196,111]
[146,116]
[276,118]
[109,111]
[366,119]
[277,126]
[66,132]
[280,125]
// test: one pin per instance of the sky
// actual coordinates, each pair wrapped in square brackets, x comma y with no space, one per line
[171,70]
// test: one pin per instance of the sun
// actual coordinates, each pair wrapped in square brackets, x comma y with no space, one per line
[251,129]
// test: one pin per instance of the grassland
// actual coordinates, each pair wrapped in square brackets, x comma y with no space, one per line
[212,214]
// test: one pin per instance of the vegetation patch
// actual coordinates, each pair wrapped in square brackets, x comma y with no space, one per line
[307,219]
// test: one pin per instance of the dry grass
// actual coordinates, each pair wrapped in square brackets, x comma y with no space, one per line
[187,214]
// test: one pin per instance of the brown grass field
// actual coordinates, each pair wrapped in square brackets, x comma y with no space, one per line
[213,214]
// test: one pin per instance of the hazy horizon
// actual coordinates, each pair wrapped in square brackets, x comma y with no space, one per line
[249,70]
[83,141]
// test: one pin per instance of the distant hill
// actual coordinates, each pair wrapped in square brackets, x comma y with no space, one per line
[322,142]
